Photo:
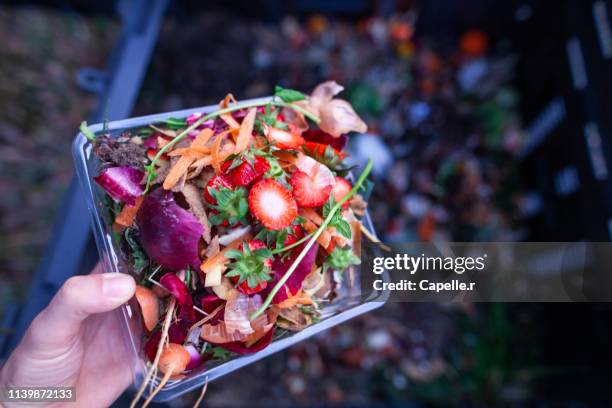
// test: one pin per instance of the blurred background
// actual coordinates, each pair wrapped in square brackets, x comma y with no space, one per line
[489,121]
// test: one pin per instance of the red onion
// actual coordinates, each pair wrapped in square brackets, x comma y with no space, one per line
[175,286]
[151,141]
[179,290]
[177,332]
[195,358]
[209,304]
[169,234]
[319,136]
[294,283]
[121,183]
[191,119]
[150,347]
[240,348]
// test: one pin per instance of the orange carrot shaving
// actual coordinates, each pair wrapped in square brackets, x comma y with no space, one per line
[202,138]
[226,150]
[286,157]
[177,171]
[311,215]
[194,151]
[126,217]
[149,306]
[299,298]
[220,257]
[216,159]
[246,130]
[340,240]
[325,237]
[227,117]
[182,165]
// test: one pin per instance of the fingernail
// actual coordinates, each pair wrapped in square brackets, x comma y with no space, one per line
[117,285]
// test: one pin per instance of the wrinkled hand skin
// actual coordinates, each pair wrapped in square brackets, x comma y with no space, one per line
[76,342]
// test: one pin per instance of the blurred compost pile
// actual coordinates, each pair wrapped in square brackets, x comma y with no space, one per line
[443,124]
[443,128]
[41,52]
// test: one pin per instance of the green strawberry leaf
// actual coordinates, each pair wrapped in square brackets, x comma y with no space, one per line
[288,95]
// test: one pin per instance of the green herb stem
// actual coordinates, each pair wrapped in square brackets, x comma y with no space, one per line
[214,114]
[298,108]
[295,244]
[87,132]
[317,233]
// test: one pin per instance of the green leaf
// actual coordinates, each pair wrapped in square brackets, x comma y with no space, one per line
[139,260]
[175,123]
[288,95]
[87,132]
[233,254]
[281,237]
[251,281]
[343,228]
[249,265]
[340,259]
[327,207]
[231,205]
[219,353]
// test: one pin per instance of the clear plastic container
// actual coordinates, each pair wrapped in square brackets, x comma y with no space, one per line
[345,307]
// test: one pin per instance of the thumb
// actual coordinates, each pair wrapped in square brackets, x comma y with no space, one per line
[78,298]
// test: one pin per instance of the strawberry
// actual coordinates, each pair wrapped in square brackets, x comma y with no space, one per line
[250,268]
[284,139]
[256,244]
[272,204]
[326,154]
[247,290]
[261,165]
[340,190]
[244,173]
[216,183]
[294,236]
[317,150]
[309,191]
[231,206]
[151,153]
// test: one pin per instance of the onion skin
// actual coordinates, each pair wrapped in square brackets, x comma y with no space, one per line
[338,118]
[122,183]
[239,347]
[169,234]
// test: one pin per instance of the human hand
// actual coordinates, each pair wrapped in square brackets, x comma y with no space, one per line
[73,342]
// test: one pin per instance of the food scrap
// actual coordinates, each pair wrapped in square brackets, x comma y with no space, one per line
[238,223]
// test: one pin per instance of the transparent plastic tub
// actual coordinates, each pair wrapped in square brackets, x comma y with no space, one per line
[347,306]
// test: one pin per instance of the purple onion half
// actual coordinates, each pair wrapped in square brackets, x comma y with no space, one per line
[121,183]
[169,234]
